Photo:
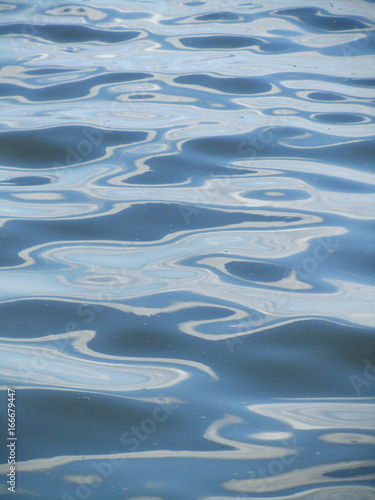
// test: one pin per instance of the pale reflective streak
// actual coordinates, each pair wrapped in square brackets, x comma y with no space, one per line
[218,192]
[256,450]
[302,477]
[279,309]
[77,180]
[48,366]
[278,244]
[59,370]
[347,492]
[82,479]
[324,170]
[155,267]
[46,210]
[225,194]
[20,491]
[240,451]
[78,340]
[201,59]
[271,436]
[312,415]
[94,91]
[79,11]
[348,438]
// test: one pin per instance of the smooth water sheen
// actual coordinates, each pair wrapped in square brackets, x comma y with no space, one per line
[187,231]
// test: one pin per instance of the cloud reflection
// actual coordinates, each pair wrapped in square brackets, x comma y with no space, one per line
[347,492]
[312,415]
[320,474]
[65,362]
[240,450]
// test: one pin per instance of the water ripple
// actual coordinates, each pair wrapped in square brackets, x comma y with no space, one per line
[187,207]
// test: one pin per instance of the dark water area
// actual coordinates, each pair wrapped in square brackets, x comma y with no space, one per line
[187,250]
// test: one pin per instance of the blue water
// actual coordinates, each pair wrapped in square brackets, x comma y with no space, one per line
[187,234]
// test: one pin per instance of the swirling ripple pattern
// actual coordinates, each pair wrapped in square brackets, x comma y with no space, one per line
[187,231]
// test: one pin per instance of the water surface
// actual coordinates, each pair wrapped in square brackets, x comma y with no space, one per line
[187,213]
